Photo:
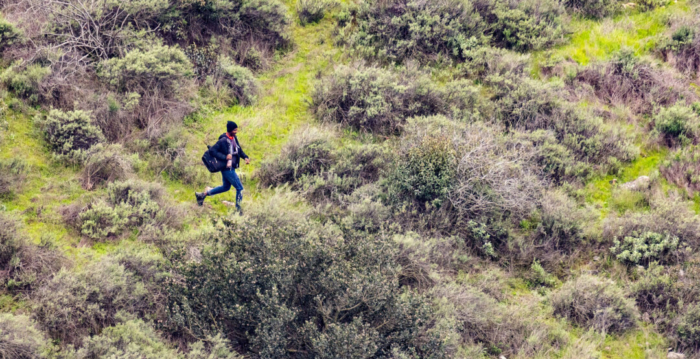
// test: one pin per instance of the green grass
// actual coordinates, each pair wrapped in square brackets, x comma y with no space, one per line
[593,40]
[599,191]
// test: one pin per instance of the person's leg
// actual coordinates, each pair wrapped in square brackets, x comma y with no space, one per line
[236,183]
[223,188]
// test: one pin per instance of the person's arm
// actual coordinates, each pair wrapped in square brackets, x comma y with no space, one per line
[243,155]
[215,150]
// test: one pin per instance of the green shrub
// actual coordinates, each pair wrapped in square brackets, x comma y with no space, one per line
[312,274]
[643,248]
[129,205]
[527,25]
[133,338]
[561,229]
[9,34]
[400,30]
[71,134]
[648,5]
[684,47]
[595,9]
[106,164]
[498,328]
[242,84]
[24,265]
[426,170]
[657,294]
[660,234]
[687,329]
[376,100]
[265,22]
[539,276]
[159,69]
[596,303]
[572,139]
[12,173]
[682,168]
[25,80]
[19,339]
[311,11]
[76,304]
[308,152]
[352,167]
[678,123]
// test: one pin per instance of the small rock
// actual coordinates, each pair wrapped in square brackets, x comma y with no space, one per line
[596,258]
[674,355]
[642,182]
[501,357]
[177,191]
[681,273]
[230,204]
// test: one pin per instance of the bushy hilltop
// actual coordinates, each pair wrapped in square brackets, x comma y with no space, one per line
[430,179]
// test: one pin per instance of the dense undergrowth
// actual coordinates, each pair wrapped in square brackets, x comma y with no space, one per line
[430,179]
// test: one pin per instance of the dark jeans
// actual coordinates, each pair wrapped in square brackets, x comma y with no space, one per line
[230,178]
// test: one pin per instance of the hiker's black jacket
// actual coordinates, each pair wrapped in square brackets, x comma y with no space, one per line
[222,149]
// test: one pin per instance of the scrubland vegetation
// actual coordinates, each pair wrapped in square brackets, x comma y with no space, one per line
[430,179]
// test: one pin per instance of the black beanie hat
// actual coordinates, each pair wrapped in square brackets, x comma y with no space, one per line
[230,126]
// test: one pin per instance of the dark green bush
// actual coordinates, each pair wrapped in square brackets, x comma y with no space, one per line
[678,123]
[400,30]
[282,284]
[426,170]
[264,22]
[595,9]
[376,100]
[687,329]
[596,303]
[129,205]
[311,11]
[25,80]
[308,152]
[9,34]
[76,304]
[19,339]
[71,134]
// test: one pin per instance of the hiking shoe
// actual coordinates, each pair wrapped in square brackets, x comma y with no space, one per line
[200,197]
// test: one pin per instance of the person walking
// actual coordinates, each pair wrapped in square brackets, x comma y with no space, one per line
[228,149]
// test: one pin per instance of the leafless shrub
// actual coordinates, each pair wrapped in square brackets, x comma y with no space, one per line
[508,330]
[683,169]
[627,81]
[308,152]
[24,266]
[104,164]
[597,303]
[19,339]
[12,173]
[494,176]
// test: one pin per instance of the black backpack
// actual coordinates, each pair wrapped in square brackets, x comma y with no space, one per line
[212,163]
